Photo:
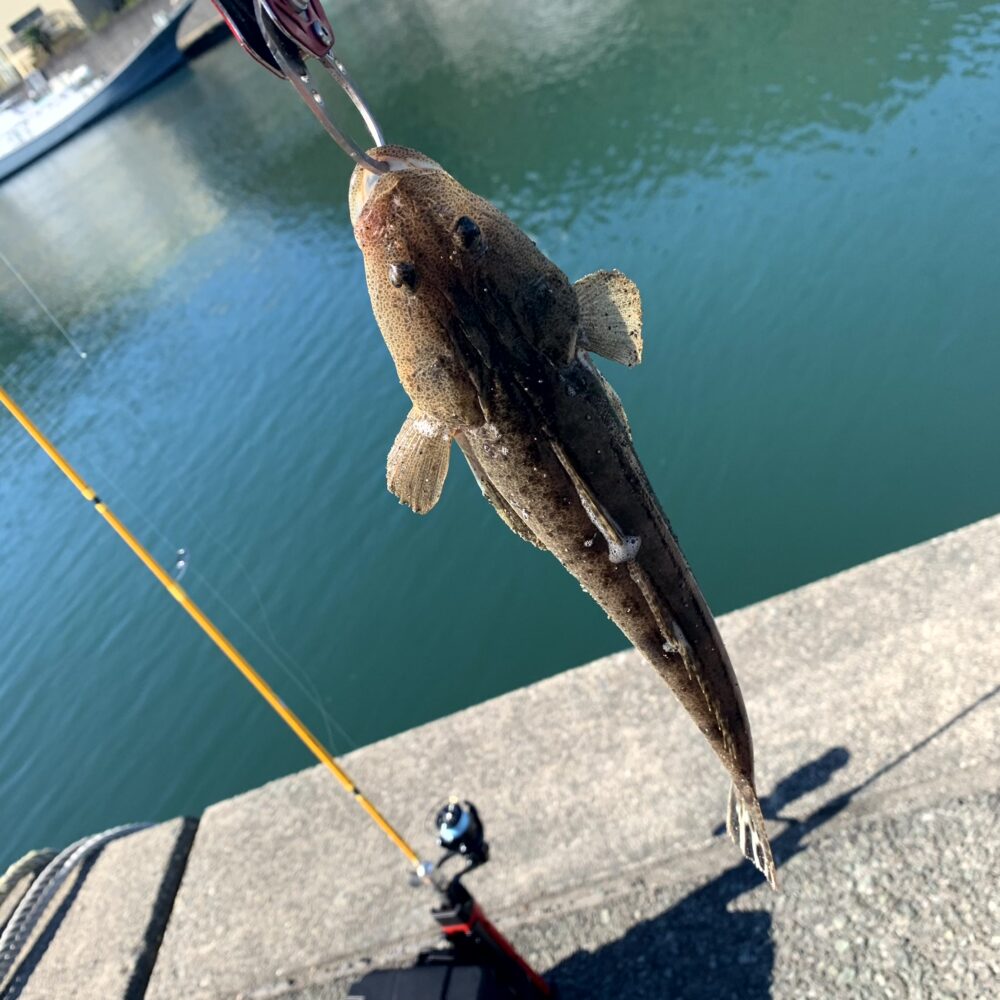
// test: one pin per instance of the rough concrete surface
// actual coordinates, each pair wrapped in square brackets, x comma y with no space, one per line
[873,915]
[100,935]
[873,698]
[201,20]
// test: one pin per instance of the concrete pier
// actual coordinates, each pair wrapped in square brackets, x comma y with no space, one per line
[874,701]
[201,29]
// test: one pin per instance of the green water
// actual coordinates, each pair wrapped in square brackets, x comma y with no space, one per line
[805,192]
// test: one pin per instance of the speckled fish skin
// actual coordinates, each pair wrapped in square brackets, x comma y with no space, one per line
[489,339]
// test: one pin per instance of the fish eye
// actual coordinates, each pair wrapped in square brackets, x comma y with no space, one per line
[467,232]
[402,274]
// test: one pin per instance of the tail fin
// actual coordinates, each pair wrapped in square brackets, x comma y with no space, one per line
[745,823]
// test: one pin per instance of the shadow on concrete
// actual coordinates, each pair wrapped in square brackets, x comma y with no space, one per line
[145,958]
[698,949]
[162,908]
[19,978]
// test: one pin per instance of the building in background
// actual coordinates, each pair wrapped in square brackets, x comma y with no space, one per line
[29,28]
[9,74]
[95,11]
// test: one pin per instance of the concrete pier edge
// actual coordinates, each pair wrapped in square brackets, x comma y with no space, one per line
[873,699]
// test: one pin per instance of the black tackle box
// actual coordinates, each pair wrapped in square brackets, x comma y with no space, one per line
[431,982]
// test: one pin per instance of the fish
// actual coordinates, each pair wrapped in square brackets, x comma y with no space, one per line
[494,346]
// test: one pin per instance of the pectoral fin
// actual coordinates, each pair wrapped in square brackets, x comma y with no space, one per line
[610,316]
[418,461]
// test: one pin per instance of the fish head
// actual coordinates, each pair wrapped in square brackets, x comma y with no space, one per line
[450,276]
[398,159]
[401,222]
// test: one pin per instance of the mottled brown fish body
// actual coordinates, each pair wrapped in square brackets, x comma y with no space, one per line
[492,344]
[524,468]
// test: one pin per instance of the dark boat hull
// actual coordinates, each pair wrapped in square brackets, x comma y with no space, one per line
[157,59]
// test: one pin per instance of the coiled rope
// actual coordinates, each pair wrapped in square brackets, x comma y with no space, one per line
[31,864]
[32,908]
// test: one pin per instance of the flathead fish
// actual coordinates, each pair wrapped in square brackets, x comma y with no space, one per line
[493,345]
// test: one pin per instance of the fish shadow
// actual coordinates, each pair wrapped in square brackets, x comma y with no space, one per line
[698,949]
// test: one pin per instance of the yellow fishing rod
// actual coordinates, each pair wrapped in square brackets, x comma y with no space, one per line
[210,629]
[465,927]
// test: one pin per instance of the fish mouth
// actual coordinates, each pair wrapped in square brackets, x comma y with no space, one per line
[365,183]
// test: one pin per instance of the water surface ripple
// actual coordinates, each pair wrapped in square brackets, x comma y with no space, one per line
[804,191]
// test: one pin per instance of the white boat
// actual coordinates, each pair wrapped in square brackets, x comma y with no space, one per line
[30,129]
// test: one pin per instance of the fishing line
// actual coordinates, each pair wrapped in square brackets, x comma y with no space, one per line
[80,352]
[310,692]
[279,654]
[212,631]
[284,660]
[305,684]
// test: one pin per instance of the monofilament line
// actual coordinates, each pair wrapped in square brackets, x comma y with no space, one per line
[281,656]
[41,305]
[211,630]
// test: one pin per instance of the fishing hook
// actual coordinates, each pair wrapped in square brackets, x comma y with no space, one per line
[295,28]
